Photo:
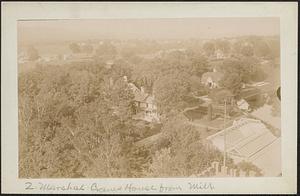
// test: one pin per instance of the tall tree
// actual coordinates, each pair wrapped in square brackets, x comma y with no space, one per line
[186,153]
[232,82]
[169,90]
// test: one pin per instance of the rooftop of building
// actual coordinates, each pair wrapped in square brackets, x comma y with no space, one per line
[215,76]
[250,139]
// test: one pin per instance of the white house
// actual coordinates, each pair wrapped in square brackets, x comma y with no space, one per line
[212,79]
[145,107]
[243,104]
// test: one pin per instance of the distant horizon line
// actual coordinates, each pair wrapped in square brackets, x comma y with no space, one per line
[144,39]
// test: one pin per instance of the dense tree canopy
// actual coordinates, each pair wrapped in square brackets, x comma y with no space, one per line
[106,49]
[223,45]
[181,157]
[169,90]
[76,120]
[240,70]
[70,119]
[74,47]
[209,48]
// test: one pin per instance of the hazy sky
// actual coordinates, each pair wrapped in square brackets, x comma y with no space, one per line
[64,30]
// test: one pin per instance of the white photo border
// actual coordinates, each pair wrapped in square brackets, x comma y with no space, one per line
[288,14]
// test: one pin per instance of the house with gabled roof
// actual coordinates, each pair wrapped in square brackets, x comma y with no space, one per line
[144,105]
[212,79]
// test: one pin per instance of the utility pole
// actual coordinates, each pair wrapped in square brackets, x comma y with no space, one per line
[224,158]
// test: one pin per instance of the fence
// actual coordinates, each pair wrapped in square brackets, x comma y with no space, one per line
[218,170]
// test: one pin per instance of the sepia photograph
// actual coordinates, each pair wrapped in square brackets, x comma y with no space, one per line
[149,98]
